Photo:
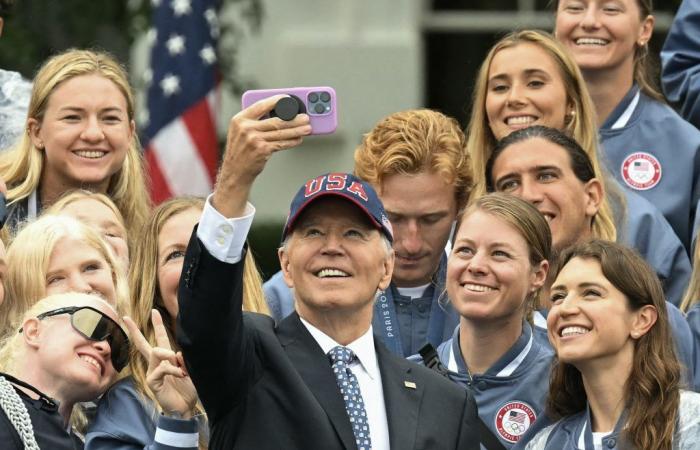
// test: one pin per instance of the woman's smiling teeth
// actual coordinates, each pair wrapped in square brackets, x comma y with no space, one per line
[572,331]
[92,361]
[478,287]
[323,273]
[591,41]
[91,154]
[520,120]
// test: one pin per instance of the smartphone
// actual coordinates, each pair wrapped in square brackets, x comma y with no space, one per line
[319,102]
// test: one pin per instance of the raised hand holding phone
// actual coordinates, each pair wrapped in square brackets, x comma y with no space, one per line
[166,374]
[250,143]
[319,103]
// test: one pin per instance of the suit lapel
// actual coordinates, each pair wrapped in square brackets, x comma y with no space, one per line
[315,369]
[402,396]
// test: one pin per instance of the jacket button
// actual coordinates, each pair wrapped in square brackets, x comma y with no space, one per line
[481,385]
[610,443]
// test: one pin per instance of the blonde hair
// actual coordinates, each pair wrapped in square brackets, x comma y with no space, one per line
[413,141]
[30,254]
[143,281]
[75,195]
[21,167]
[581,126]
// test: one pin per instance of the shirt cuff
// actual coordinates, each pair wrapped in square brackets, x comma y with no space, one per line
[223,237]
[177,433]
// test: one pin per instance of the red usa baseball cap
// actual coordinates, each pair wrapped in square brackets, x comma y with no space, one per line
[343,185]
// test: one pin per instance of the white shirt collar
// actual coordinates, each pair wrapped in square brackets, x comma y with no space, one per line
[363,347]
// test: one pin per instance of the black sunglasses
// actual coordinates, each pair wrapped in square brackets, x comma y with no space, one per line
[96,326]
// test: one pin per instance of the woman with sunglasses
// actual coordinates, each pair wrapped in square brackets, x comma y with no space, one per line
[66,349]
[56,254]
[616,382]
[131,413]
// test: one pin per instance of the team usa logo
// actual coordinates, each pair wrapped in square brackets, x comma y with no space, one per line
[641,171]
[513,420]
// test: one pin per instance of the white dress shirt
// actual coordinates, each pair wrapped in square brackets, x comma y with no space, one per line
[366,370]
[224,238]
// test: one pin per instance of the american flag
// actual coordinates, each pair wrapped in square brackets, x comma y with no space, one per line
[641,165]
[179,125]
[516,416]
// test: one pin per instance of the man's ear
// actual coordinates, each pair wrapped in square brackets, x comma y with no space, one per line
[31,331]
[388,268]
[283,255]
[594,196]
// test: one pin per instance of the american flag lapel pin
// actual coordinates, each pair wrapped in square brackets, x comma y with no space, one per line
[409,384]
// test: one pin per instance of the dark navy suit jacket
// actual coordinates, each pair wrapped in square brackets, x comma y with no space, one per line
[268,387]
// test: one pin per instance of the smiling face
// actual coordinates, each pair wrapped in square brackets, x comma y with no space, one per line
[489,275]
[99,216]
[335,260]
[85,133]
[525,88]
[76,266]
[602,34]
[172,243]
[590,321]
[540,172]
[72,367]
[421,209]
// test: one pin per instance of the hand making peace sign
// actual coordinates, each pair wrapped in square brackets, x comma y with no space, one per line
[166,374]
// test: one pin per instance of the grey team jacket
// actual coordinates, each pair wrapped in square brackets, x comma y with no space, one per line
[574,432]
[655,154]
[510,395]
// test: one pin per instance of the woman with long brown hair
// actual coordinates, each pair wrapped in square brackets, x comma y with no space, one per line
[616,383]
[132,413]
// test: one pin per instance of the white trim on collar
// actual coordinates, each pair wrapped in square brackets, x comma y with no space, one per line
[625,117]
[507,370]
[513,365]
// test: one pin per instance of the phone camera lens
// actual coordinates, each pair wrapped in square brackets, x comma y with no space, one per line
[325,97]
[313,97]
[319,108]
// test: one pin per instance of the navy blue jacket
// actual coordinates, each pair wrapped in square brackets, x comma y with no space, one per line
[680,59]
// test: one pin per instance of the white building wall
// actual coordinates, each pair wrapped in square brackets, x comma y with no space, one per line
[368,50]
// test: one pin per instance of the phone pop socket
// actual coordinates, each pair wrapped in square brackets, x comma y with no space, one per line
[288,107]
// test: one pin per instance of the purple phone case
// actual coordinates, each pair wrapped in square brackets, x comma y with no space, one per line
[325,123]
